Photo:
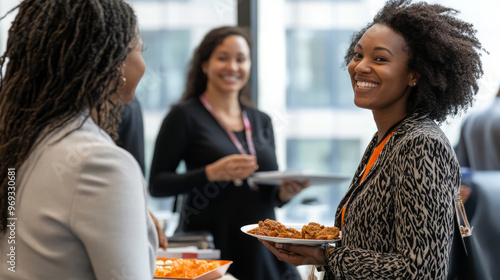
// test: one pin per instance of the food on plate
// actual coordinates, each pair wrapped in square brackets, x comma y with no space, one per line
[317,231]
[309,231]
[164,263]
[184,268]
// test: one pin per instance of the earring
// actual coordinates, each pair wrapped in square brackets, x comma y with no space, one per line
[414,84]
[124,80]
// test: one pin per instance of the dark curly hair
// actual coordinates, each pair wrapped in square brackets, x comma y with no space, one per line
[62,59]
[442,49]
[196,83]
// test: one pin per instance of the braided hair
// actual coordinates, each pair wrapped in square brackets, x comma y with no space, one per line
[442,49]
[63,59]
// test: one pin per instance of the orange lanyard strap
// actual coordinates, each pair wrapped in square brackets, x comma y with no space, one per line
[342,218]
[374,156]
[371,161]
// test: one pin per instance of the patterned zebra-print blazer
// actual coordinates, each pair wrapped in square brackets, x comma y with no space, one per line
[399,220]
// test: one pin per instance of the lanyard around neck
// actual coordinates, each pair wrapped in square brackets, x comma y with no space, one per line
[379,147]
[232,136]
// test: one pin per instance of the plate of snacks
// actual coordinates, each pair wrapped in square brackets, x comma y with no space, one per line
[192,269]
[312,234]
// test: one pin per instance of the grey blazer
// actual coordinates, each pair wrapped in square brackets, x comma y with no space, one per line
[81,210]
[479,144]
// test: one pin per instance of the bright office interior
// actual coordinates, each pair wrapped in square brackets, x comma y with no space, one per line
[301,84]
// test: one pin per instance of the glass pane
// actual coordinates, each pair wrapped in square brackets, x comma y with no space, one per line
[315,74]
[318,203]
[5,6]
[166,57]
[171,29]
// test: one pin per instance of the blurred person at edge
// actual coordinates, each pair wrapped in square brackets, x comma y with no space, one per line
[479,145]
[478,149]
[131,138]
[413,66]
[199,129]
[81,203]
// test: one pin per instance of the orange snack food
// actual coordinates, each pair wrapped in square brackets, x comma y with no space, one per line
[185,268]
[310,231]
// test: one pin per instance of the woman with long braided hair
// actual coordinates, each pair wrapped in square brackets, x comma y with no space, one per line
[73,204]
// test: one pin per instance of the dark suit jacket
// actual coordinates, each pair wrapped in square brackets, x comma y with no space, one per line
[131,132]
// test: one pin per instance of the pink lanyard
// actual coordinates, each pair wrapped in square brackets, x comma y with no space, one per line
[246,122]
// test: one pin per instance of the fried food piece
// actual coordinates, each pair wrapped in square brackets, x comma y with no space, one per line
[269,228]
[328,233]
[274,225]
[290,233]
[310,231]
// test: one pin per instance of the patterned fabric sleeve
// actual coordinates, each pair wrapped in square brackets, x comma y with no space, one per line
[425,176]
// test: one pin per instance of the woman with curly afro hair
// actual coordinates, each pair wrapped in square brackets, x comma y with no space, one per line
[413,66]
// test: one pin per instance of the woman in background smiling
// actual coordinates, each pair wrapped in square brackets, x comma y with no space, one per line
[222,139]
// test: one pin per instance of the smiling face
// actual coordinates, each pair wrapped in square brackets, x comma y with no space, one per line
[228,67]
[379,73]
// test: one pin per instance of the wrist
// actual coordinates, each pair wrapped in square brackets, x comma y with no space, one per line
[327,249]
[209,172]
[283,197]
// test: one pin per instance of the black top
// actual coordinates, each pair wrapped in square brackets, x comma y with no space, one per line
[131,131]
[191,133]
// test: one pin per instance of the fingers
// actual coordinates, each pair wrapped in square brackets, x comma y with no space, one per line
[162,238]
[242,171]
[241,159]
[281,254]
[299,254]
[296,254]
[293,188]
[232,167]
[305,184]
[296,185]
[243,165]
[163,241]
[290,188]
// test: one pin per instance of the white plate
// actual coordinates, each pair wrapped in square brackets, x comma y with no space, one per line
[275,177]
[306,242]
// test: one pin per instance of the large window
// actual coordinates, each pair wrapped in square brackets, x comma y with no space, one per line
[166,56]
[320,156]
[302,85]
[315,76]
[171,29]
[5,6]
